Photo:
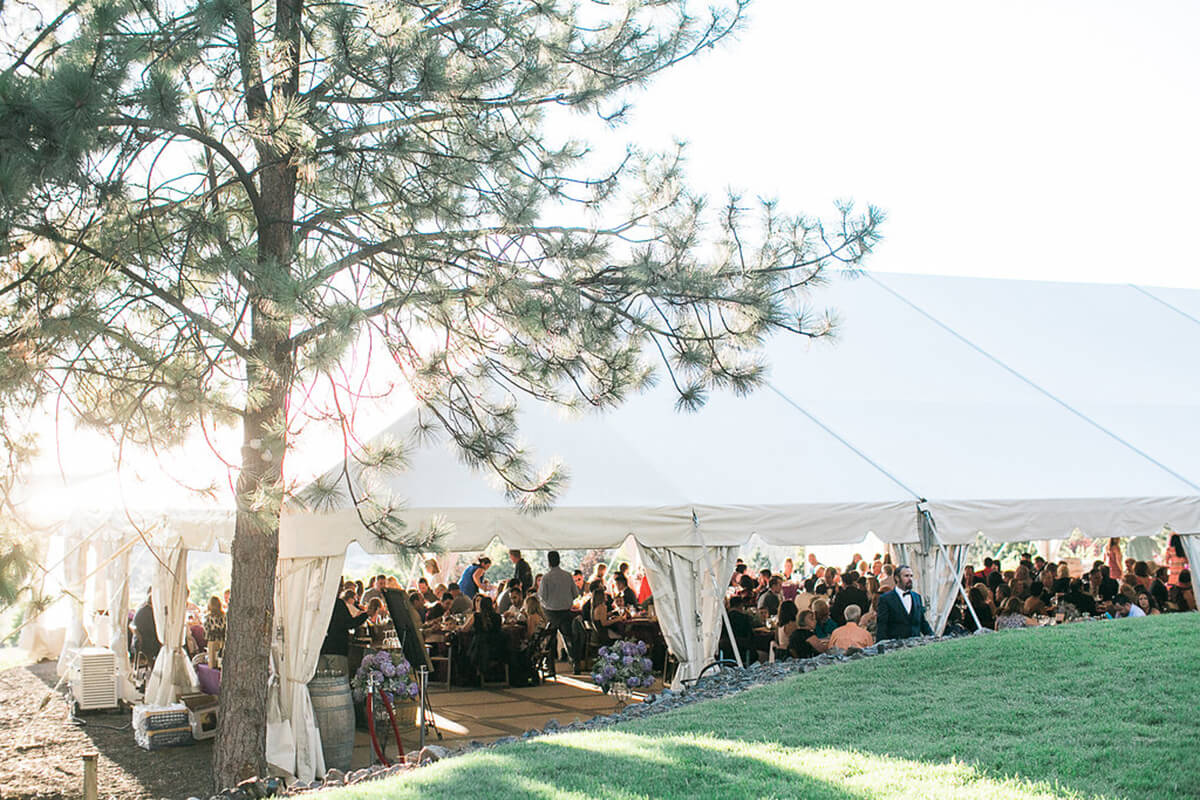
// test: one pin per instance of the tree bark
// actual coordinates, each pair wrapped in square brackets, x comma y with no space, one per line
[240,750]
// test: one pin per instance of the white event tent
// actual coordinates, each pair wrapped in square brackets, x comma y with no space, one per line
[945,407]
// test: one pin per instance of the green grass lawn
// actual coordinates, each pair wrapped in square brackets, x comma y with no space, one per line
[1106,709]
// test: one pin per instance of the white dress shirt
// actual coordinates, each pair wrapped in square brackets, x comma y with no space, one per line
[905,600]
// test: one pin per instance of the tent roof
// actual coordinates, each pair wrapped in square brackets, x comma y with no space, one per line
[1018,409]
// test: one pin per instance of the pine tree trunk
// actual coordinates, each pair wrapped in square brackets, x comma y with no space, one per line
[240,750]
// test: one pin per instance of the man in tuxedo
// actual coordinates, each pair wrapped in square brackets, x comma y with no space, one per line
[901,613]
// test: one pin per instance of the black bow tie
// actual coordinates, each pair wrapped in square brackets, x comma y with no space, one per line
[904,593]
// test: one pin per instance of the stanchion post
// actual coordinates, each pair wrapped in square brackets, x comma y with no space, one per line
[90,790]
[422,682]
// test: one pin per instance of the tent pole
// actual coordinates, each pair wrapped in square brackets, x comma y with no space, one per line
[724,611]
[957,582]
[950,563]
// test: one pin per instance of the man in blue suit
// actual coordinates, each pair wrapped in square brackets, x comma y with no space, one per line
[901,613]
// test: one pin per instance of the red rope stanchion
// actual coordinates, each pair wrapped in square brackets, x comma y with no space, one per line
[387,704]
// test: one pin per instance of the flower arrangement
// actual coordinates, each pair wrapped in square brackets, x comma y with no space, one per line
[622,667]
[391,673]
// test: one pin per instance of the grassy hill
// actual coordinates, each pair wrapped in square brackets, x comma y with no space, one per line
[1106,709]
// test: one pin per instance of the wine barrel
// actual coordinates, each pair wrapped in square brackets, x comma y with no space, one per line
[333,707]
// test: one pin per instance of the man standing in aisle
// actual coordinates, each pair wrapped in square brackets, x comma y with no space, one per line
[901,612]
[557,592]
[522,572]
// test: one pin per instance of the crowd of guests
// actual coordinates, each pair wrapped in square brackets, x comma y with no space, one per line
[795,612]
[505,618]
[1112,587]
[806,611]
[205,632]
[815,608]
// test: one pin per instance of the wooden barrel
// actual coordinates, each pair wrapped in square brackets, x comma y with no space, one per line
[334,710]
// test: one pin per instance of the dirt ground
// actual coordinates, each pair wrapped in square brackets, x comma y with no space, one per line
[41,750]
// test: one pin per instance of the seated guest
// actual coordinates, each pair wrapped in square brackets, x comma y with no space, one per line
[743,628]
[624,590]
[823,623]
[1158,587]
[461,604]
[979,604]
[771,598]
[1082,601]
[1122,607]
[427,595]
[787,624]
[437,610]
[1141,574]
[804,598]
[377,623]
[535,618]
[764,580]
[417,601]
[600,616]
[747,590]
[1010,616]
[888,581]
[851,594]
[870,618]
[487,642]
[512,598]
[1108,587]
[804,642]
[1146,603]
[850,634]
[1034,606]
[1186,590]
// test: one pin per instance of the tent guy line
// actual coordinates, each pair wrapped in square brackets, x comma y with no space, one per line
[1031,383]
[1171,306]
[920,498]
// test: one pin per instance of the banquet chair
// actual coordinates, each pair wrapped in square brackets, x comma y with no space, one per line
[141,670]
[435,659]
[541,651]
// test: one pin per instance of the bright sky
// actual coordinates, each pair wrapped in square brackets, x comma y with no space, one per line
[1053,140]
[1035,139]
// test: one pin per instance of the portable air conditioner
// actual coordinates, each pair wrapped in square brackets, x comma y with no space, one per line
[94,678]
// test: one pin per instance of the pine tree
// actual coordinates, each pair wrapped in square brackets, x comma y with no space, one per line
[209,205]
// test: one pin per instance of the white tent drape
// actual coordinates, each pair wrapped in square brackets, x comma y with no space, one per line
[173,671]
[118,609]
[688,585]
[74,573]
[306,589]
[936,571]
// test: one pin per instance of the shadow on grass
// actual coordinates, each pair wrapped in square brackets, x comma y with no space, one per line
[623,765]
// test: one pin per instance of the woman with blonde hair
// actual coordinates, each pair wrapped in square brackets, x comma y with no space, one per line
[215,624]
[535,617]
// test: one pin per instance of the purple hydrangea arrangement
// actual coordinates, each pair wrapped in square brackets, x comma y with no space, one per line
[392,675]
[622,667]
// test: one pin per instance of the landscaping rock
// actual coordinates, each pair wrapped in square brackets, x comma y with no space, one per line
[431,752]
